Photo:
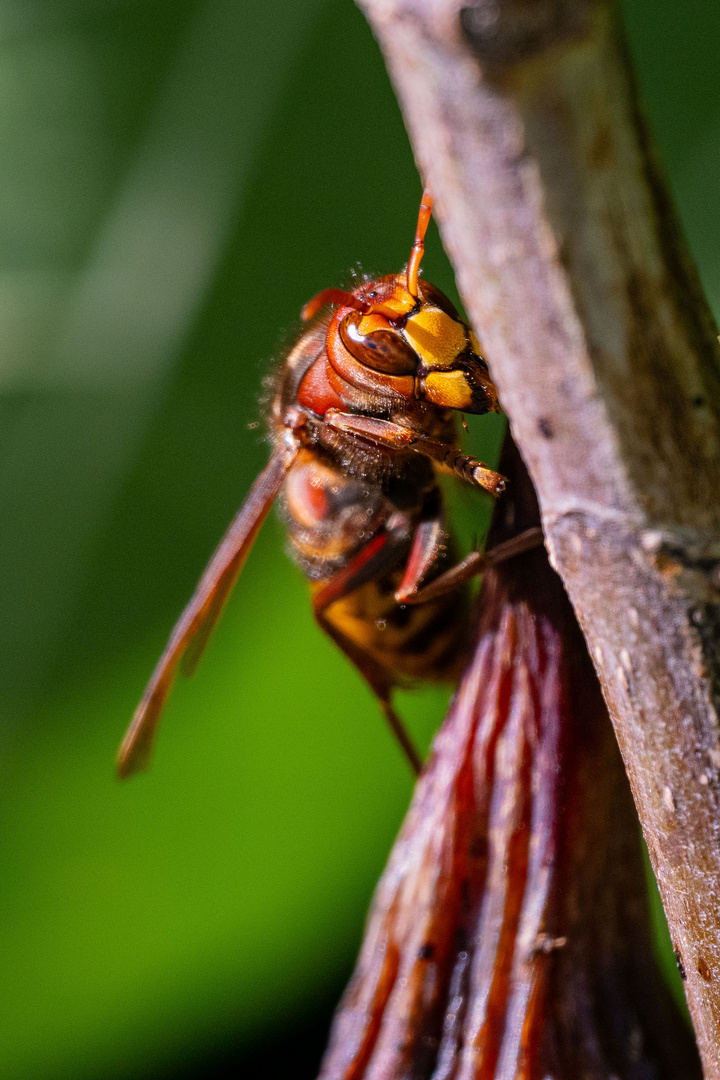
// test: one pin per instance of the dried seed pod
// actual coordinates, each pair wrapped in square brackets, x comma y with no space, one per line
[509,936]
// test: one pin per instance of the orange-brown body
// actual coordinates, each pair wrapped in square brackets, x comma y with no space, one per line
[322,506]
[363,415]
[338,497]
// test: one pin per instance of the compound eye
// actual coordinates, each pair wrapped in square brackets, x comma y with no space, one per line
[373,342]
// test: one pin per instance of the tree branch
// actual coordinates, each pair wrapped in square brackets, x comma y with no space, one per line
[524,120]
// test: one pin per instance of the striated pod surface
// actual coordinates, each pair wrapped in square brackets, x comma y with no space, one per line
[509,935]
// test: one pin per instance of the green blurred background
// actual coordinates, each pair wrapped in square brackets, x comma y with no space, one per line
[176,179]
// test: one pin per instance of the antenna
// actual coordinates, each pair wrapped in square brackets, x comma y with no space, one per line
[333,296]
[418,248]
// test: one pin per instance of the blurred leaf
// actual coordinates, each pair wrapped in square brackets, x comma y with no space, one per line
[102,326]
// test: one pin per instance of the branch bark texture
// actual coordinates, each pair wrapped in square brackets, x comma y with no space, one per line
[524,121]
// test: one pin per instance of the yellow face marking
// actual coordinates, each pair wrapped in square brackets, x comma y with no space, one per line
[398,303]
[449,389]
[435,336]
[368,324]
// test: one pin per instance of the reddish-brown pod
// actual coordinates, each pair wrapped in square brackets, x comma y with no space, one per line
[509,936]
[363,417]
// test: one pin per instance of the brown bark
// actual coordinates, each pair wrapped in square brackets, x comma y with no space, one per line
[524,121]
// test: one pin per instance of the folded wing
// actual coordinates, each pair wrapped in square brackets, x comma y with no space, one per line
[195,625]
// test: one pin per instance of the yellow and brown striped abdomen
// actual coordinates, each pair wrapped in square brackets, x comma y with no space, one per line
[331,517]
[419,643]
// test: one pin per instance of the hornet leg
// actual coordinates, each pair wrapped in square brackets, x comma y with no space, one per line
[379,556]
[475,563]
[396,437]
